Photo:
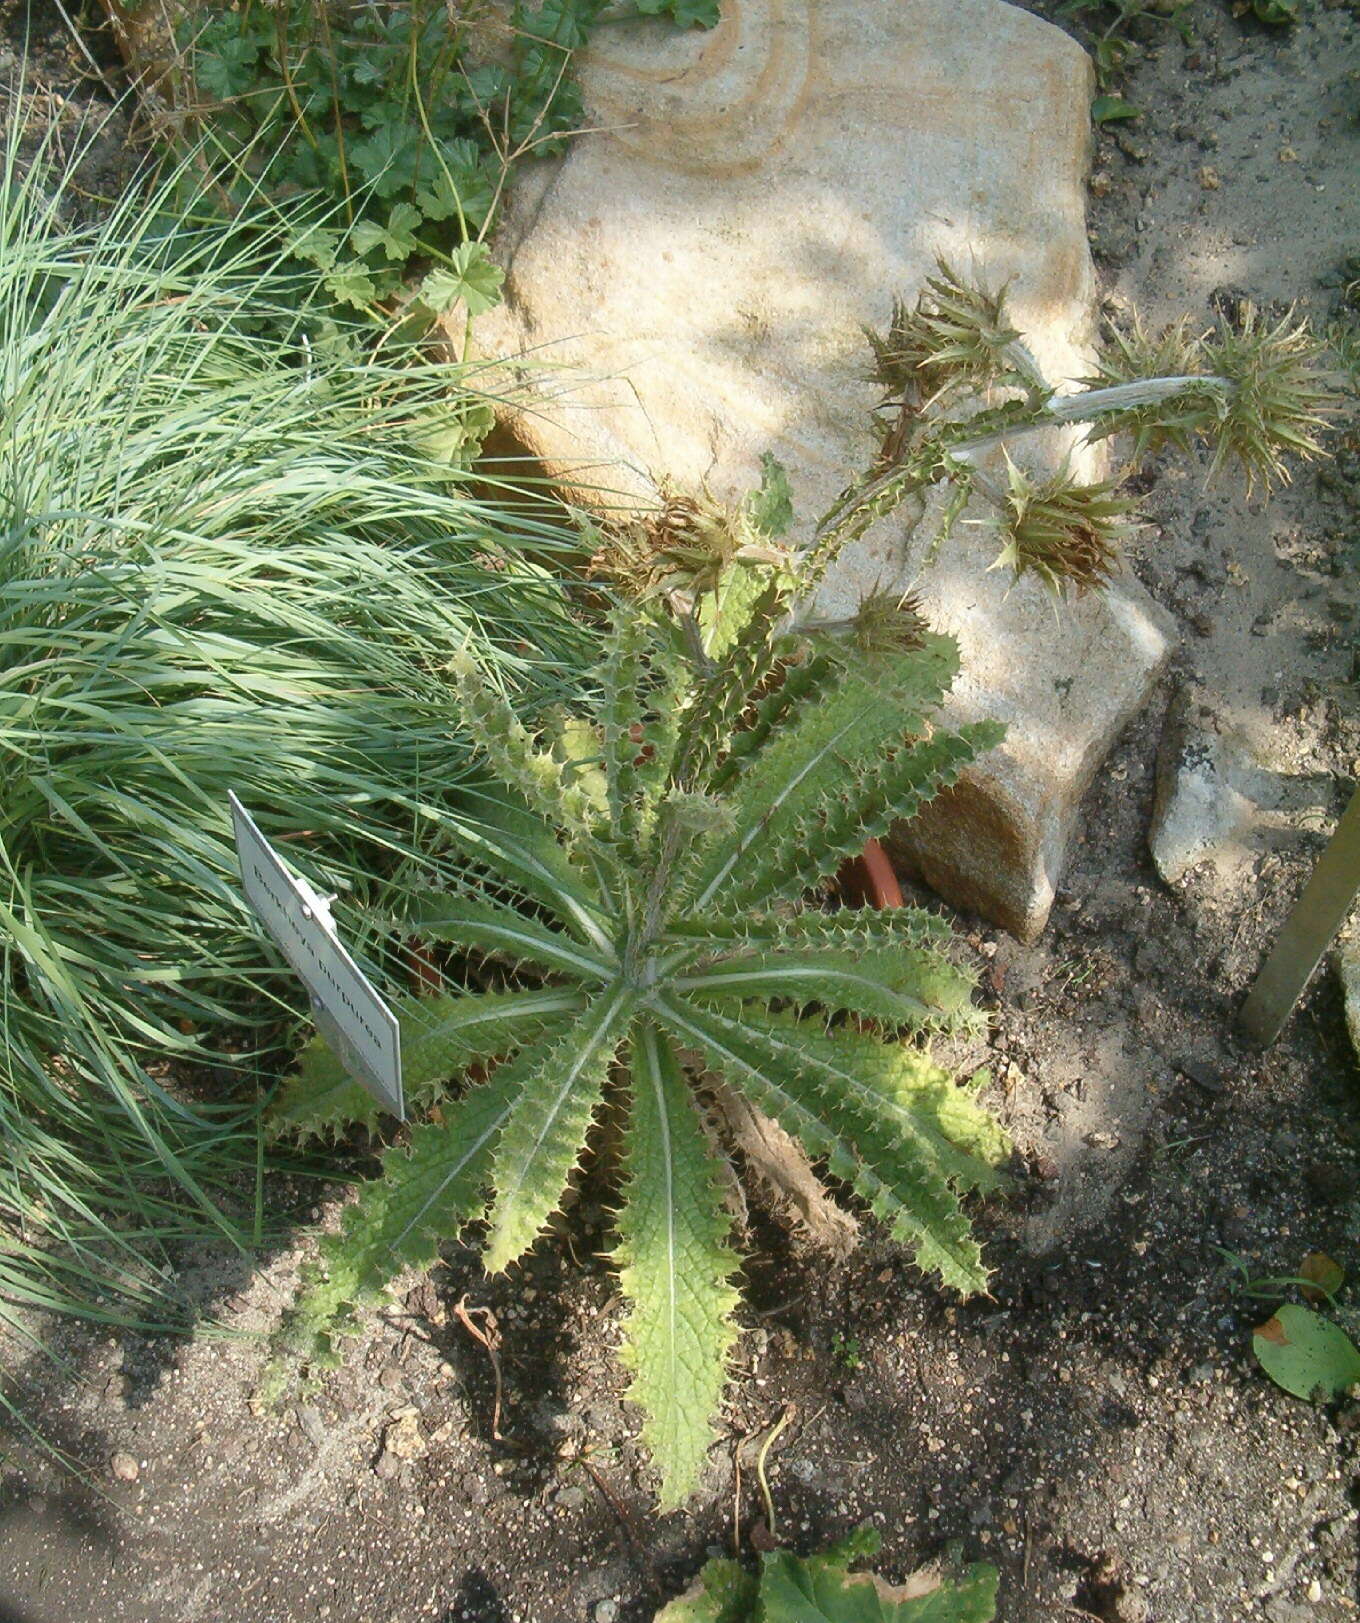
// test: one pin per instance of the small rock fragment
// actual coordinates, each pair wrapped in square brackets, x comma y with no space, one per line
[124,1467]
[311,1425]
[1216,800]
[1348,968]
[403,1439]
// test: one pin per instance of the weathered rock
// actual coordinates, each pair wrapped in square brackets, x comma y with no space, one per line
[693,283]
[1348,968]
[1217,800]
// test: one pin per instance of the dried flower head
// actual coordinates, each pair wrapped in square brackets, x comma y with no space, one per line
[956,334]
[1136,356]
[884,622]
[1281,396]
[686,545]
[1067,533]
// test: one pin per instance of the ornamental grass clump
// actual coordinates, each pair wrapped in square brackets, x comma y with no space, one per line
[221,567]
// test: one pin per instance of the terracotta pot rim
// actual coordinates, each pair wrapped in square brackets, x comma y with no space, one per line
[874,876]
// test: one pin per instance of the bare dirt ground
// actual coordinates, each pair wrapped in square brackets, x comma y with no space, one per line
[1099,1427]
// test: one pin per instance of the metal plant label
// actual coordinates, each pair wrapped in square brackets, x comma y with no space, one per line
[348,1009]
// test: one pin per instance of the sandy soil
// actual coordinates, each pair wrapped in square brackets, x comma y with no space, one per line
[1099,1428]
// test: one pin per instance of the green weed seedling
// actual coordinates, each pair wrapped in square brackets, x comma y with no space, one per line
[822,1589]
[386,134]
[1308,1355]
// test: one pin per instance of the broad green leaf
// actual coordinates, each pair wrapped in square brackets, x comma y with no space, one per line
[724,1592]
[453,431]
[470,279]
[770,508]
[1324,1274]
[1306,1354]
[821,1589]
[351,283]
[1112,109]
[229,69]
[385,158]
[797,1591]
[674,1266]
[396,238]
[317,245]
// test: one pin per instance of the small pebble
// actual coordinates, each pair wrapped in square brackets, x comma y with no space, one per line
[124,1467]
[606,1611]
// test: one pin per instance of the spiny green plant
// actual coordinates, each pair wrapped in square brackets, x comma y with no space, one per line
[223,565]
[399,122]
[650,869]
[655,874]
[960,382]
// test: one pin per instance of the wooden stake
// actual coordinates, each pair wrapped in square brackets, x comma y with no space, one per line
[1307,933]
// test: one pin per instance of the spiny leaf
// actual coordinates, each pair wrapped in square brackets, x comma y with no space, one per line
[502,737]
[803,852]
[866,1147]
[520,847]
[674,1266]
[712,715]
[561,1084]
[807,762]
[804,682]
[494,928]
[770,508]
[440,1037]
[426,1193]
[843,927]
[911,987]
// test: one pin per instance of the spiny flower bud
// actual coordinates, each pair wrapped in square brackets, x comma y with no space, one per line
[888,622]
[686,546]
[1280,398]
[956,334]
[1067,533]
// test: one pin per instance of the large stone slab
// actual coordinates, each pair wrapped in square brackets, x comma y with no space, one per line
[694,280]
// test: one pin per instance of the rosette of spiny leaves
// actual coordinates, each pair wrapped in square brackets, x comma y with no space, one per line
[651,887]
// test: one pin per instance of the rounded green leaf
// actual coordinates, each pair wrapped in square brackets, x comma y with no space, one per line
[1303,1352]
